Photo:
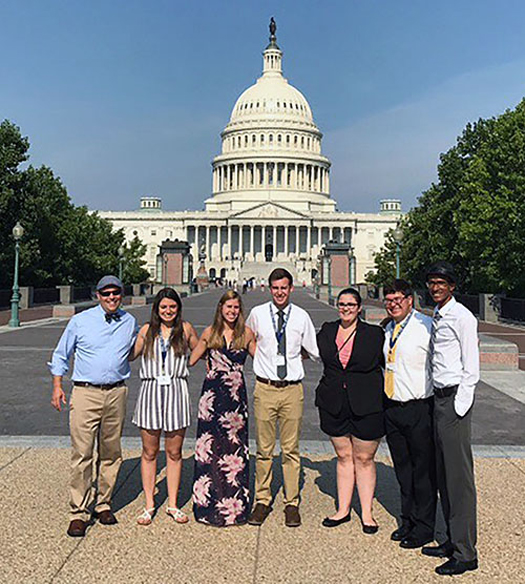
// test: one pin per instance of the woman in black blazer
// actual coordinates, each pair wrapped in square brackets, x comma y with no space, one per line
[350,401]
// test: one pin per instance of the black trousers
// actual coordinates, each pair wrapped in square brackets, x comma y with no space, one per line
[410,437]
[455,474]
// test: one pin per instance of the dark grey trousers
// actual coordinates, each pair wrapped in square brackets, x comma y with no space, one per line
[455,476]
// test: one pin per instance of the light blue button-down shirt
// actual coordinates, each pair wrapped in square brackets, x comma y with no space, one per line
[101,348]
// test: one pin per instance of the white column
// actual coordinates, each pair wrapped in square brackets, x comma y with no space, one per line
[230,241]
[297,240]
[327,181]
[308,241]
[274,241]
[241,242]
[286,239]
[252,239]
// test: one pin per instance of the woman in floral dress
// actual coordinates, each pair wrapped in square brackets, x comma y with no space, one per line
[220,484]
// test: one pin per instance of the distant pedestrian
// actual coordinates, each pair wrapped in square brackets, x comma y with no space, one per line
[101,339]
[455,373]
[221,480]
[284,333]
[163,403]
[409,408]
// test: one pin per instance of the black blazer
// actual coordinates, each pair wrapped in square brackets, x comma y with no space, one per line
[362,378]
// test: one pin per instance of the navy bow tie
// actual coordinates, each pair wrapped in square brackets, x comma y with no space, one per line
[110,317]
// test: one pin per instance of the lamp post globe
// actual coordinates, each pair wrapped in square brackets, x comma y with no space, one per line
[18,233]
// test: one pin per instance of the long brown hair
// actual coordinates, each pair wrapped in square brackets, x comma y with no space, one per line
[216,340]
[177,340]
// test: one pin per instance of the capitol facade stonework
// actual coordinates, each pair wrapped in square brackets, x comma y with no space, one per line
[270,203]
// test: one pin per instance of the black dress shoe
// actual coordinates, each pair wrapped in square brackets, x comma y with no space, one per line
[369,529]
[77,528]
[401,532]
[453,567]
[411,543]
[329,522]
[106,517]
[444,550]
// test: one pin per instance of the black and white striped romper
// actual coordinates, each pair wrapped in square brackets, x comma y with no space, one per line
[163,407]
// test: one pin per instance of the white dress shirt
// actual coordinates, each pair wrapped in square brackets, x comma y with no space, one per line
[300,334]
[412,379]
[455,360]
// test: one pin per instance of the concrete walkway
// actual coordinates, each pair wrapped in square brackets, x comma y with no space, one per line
[35,548]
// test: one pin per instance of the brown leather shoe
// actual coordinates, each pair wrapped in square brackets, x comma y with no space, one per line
[77,528]
[106,517]
[259,514]
[291,516]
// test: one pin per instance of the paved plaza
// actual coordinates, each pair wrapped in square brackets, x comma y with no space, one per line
[34,470]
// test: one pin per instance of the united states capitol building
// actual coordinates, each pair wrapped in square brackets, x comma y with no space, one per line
[270,202]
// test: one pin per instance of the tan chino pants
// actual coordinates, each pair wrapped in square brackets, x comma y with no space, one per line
[283,406]
[95,415]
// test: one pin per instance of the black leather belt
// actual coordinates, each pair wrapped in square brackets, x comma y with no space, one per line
[394,402]
[445,391]
[99,385]
[280,384]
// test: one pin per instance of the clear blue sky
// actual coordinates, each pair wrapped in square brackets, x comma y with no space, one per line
[124,98]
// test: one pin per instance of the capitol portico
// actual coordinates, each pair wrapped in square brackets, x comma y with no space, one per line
[270,200]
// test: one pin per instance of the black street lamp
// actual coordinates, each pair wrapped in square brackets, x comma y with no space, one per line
[121,251]
[18,232]
[398,238]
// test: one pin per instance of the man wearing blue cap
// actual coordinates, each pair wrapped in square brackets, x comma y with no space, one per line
[101,339]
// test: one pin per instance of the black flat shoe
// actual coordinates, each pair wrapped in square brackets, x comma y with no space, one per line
[454,567]
[328,522]
[369,529]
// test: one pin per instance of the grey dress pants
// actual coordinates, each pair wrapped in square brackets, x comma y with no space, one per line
[455,476]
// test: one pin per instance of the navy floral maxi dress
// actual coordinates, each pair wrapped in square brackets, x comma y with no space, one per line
[221,479]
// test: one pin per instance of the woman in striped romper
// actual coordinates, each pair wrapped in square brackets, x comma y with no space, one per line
[163,402]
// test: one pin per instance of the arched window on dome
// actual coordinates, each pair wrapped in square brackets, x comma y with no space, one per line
[232,142]
[295,140]
[262,139]
[251,104]
[287,139]
[309,144]
[278,104]
[254,139]
[270,139]
[302,141]
[284,104]
[239,141]
[279,139]
[257,104]
[246,140]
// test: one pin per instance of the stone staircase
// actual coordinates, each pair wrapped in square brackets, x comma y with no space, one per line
[261,270]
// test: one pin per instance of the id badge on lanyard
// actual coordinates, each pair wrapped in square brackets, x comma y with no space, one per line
[163,379]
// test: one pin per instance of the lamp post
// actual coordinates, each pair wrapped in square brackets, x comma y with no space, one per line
[398,238]
[18,232]
[121,251]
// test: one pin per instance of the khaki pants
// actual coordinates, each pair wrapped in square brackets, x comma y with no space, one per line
[95,414]
[274,405]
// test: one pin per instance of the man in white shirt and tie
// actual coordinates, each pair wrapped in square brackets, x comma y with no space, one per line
[408,414]
[284,333]
[455,373]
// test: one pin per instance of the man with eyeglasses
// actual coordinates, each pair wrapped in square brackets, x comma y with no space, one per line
[408,414]
[101,339]
[455,373]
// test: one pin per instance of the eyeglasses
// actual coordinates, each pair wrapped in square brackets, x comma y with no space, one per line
[108,293]
[394,301]
[437,284]
[347,305]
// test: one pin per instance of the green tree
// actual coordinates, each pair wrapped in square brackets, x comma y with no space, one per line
[62,243]
[474,216]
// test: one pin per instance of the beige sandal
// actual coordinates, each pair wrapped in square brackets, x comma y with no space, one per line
[147,516]
[177,514]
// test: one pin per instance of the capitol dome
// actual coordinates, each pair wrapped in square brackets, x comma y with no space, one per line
[271,147]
